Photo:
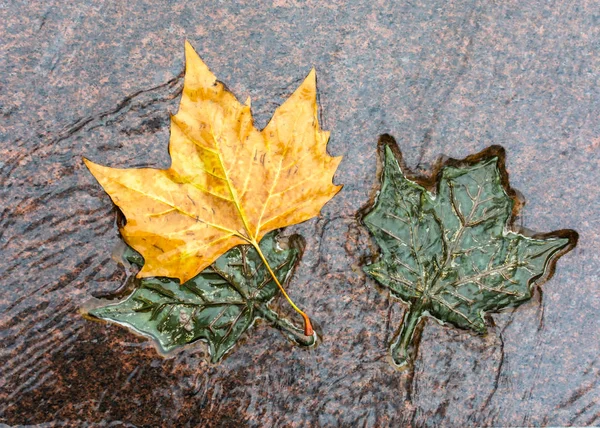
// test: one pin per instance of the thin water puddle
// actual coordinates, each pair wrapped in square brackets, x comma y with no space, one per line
[449,78]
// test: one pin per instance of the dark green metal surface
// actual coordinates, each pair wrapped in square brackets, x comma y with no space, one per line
[217,306]
[451,254]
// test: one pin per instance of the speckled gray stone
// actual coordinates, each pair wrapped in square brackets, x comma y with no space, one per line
[444,77]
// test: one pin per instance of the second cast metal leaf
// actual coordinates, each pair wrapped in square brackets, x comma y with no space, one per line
[452,254]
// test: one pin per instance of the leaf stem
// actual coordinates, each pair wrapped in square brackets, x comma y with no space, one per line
[296,334]
[402,348]
[308,330]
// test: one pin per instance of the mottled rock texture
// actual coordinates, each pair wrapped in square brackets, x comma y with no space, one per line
[444,77]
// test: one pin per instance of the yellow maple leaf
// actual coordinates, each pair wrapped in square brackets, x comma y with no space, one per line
[228,184]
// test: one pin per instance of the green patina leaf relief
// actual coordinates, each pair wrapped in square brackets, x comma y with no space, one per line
[451,253]
[216,306]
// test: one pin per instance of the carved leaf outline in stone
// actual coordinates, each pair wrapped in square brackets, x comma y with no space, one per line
[451,253]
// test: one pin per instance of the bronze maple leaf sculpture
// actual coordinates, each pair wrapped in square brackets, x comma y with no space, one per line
[448,246]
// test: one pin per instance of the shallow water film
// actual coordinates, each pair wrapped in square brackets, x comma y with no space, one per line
[101,79]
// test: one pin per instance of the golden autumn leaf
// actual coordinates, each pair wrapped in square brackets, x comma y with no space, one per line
[228,183]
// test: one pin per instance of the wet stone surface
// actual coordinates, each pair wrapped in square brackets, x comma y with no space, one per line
[100,80]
